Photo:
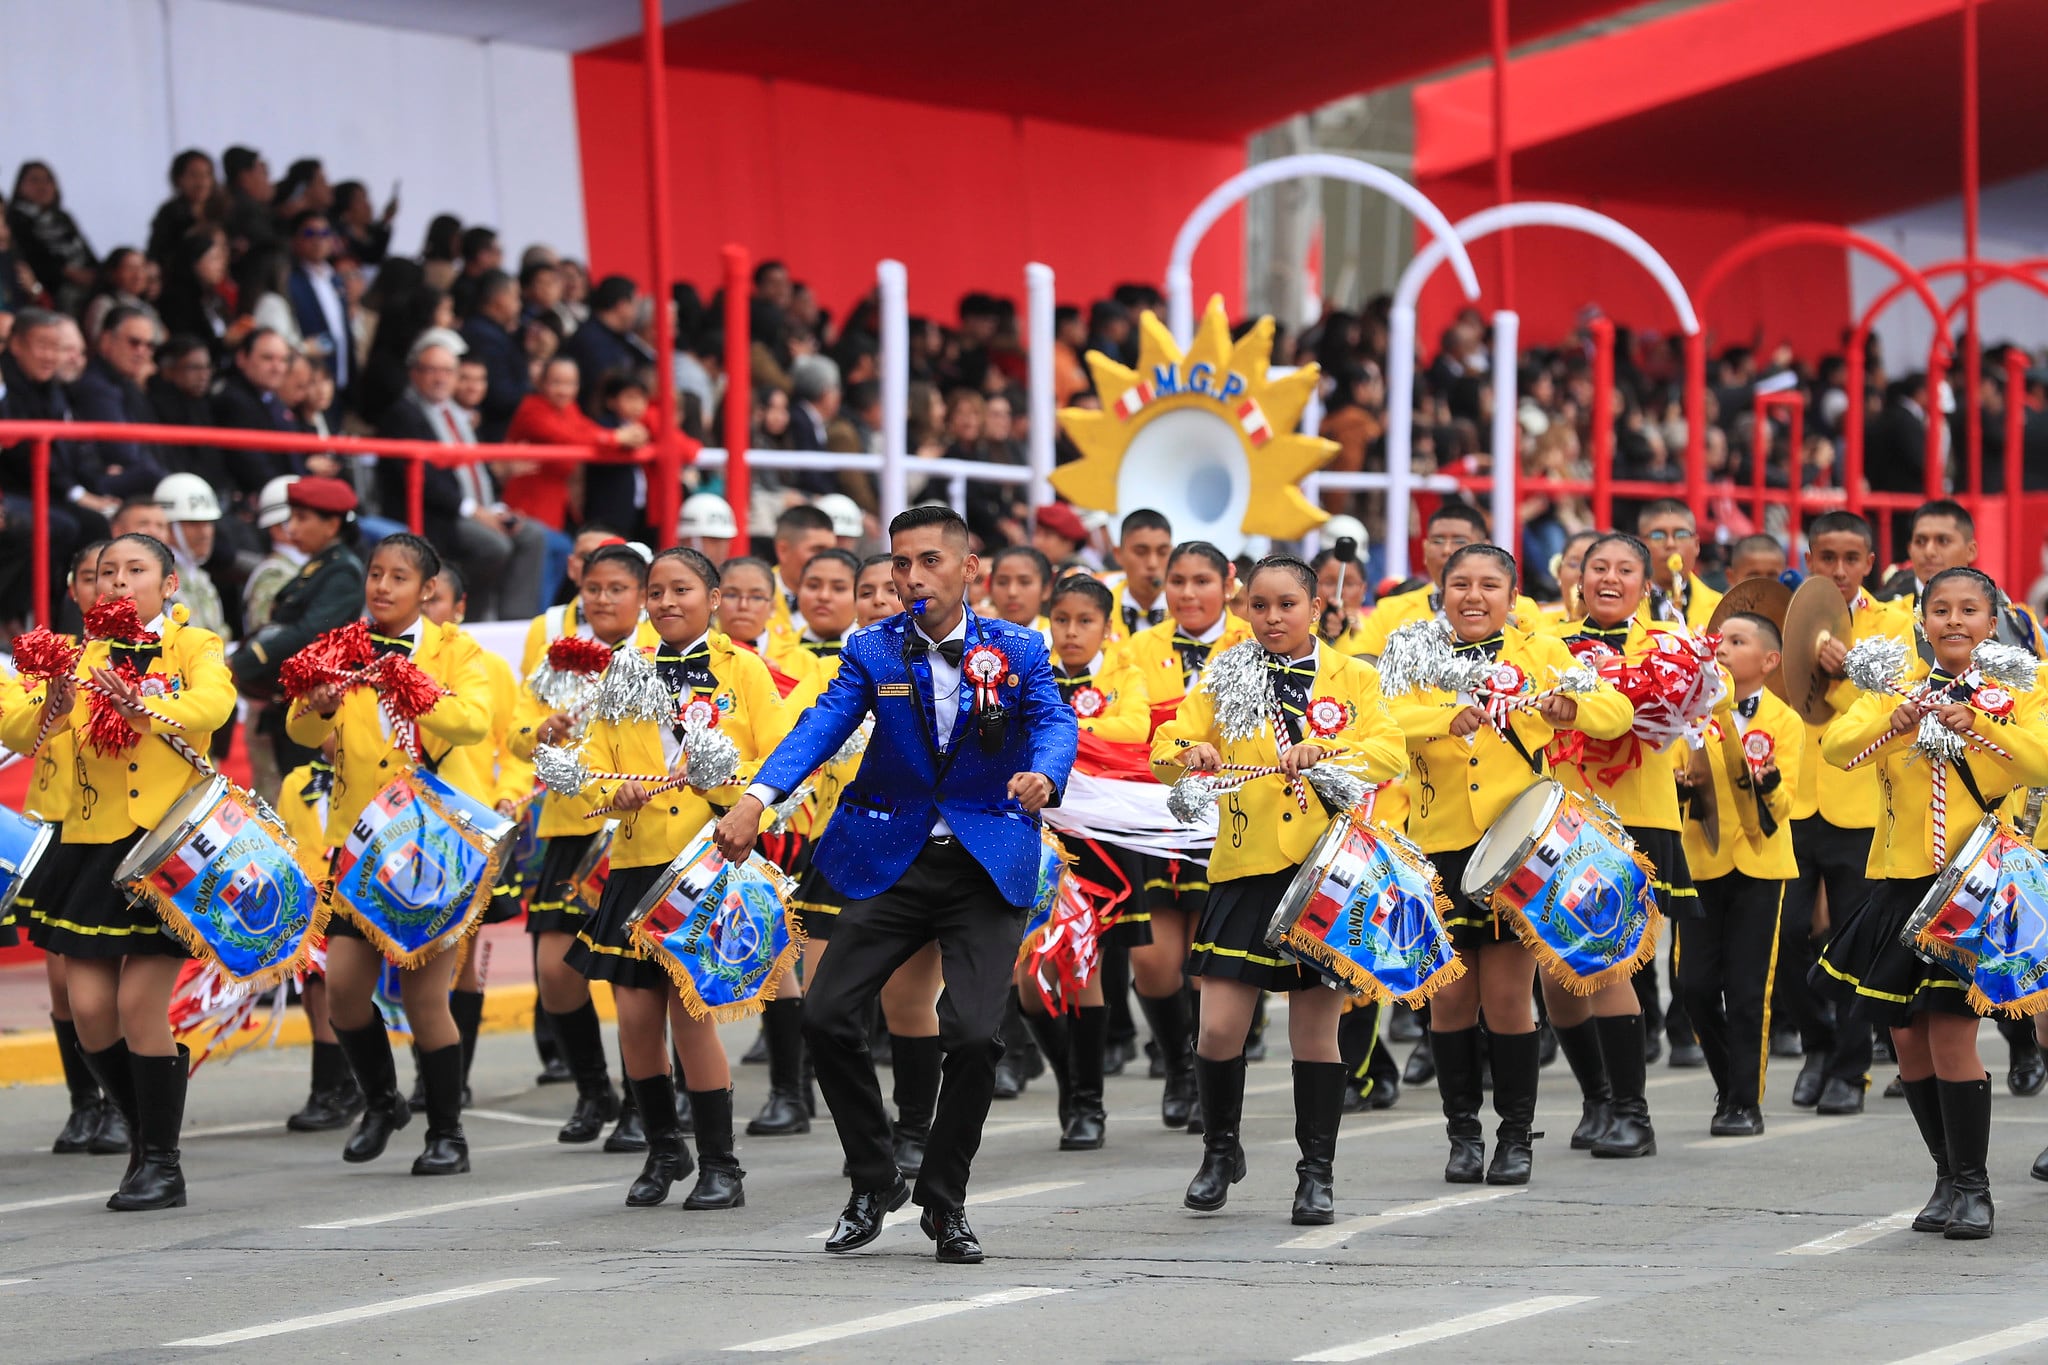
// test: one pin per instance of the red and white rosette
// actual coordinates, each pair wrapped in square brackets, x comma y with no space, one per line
[1503,684]
[1995,702]
[699,713]
[1088,702]
[1327,716]
[983,669]
[1757,747]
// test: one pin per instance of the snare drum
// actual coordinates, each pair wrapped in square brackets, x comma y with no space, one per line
[223,875]
[1052,861]
[1571,883]
[1364,913]
[595,866]
[722,932]
[417,871]
[1986,918]
[22,841]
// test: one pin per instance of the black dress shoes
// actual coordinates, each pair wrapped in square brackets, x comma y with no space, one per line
[1813,1075]
[1738,1120]
[861,1221]
[957,1243]
[1840,1096]
[2028,1072]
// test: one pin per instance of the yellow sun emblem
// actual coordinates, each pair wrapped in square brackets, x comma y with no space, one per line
[1208,438]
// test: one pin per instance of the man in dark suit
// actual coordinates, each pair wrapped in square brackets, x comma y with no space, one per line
[1895,449]
[110,390]
[815,397]
[605,345]
[494,342]
[319,300]
[936,840]
[181,395]
[247,401]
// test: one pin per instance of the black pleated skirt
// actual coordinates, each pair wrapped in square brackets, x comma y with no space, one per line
[603,950]
[1676,898]
[86,915]
[1865,961]
[1230,940]
[556,907]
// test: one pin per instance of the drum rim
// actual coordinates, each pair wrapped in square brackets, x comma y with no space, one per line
[1951,876]
[497,831]
[600,846]
[671,874]
[174,828]
[1480,888]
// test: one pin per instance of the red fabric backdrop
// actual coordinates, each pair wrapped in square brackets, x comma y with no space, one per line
[833,182]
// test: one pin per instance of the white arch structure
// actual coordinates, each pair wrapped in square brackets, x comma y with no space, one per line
[1506,351]
[1180,284]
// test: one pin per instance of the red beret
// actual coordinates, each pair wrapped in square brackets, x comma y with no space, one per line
[1063,520]
[330,496]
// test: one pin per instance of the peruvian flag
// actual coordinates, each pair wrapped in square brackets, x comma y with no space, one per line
[1133,402]
[1252,418]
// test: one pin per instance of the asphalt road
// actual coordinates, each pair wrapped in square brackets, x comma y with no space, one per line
[1784,1248]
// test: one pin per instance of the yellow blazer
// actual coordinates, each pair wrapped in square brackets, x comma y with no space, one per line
[1902,844]
[53,786]
[120,793]
[1151,652]
[305,821]
[1768,857]
[750,714]
[1391,613]
[560,816]
[488,770]
[1260,827]
[548,627]
[1459,787]
[1849,800]
[1126,715]
[367,758]
[831,778]
[1645,794]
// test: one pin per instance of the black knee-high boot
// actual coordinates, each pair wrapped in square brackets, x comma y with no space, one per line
[1923,1097]
[1581,1047]
[719,1175]
[1223,1165]
[334,1099]
[783,1115]
[385,1111]
[1457,1084]
[1318,1110]
[88,1102]
[629,1134]
[1121,1033]
[468,1009]
[447,1149]
[582,1037]
[1356,1030]
[1050,1032]
[1087,1122]
[1194,999]
[1167,1017]
[117,1079]
[1514,1057]
[1629,1134]
[915,1091]
[686,1120]
[158,1182]
[1966,1119]
[668,1159]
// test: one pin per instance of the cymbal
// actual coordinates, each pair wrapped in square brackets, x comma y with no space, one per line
[1816,609]
[1765,597]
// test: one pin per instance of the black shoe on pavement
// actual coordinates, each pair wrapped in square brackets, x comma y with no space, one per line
[1741,1120]
[1813,1078]
[860,1222]
[1840,1096]
[957,1243]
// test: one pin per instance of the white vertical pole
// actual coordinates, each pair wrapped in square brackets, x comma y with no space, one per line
[1180,303]
[1507,446]
[1400,434]
[893,284]
[1038,341]
[1312,485]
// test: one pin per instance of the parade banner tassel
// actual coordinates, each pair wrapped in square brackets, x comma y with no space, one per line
[720,930]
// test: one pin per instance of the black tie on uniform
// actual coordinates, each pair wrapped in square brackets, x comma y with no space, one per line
[688,673]
[320,783]
[950,650]
[1291,685]
[1490,646]
[1746,708]
[1194,655]
[141,656]
[825,649]
[391,644]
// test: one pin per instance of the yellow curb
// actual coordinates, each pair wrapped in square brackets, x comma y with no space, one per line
[31,1058]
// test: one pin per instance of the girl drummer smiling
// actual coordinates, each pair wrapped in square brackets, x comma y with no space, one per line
[1465,767]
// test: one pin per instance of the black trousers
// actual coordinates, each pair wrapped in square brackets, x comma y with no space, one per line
[945,897]
[1726,959]
[1836,858]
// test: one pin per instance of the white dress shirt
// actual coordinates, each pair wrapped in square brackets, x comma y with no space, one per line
[320,275]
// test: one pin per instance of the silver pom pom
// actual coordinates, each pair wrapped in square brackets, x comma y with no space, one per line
[1466,673]
[856,743]
[560,770]
[1877,664]
[562,689]
[1938,742]
[631,689]
[714,760]
[2009,666]
[1416,656]
[1577,680]
[1242,686]
[1191,800]
[1340,790]
[785,810]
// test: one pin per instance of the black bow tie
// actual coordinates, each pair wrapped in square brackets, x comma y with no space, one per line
[828,649]
[1605,634]
[1746,708]
[391,644]
[949,650]
[140,655]
[1490,646]
[1291,668]
[1150,616]
[320,783]
[686,672]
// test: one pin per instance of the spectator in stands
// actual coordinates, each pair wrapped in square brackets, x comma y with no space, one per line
[304,189]
[406,308]
[501,553]
[111,390]
[123,277]
[263,294]
[605,345]
[440,250]
[1111,332]
[309,394]
[494,344]
[814,383]
[1355,420]
[180,395]
[250,221]
[1895,450]
[248,401]
[141,515]
[575,290]
[194,302]
[48,238]
[30,390]
[196,201]
[616,494]
[18,287]
[540,295]
[319,296]
[365,235]
[1069,340]
[481,253]
[999,428]
[549,416]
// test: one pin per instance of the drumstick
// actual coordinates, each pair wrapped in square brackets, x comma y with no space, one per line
[1916,697]
[654,788]
[156,716]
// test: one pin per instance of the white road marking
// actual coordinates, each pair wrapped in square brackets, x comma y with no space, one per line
[902,1317]
[1449,1327]
[910,1213]
[1337,1234]
[1375,1127]
[231,1129]
[1856,1236]
[1991,1343]
[53,1201]
[1775,1129]
[520,1196]
[506,1116]
[24,1280]
[368,1310]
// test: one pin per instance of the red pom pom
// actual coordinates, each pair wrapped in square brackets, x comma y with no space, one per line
[106,729]
[405,689]
[41,654]
[116,618]
[574,654]
[332,658]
